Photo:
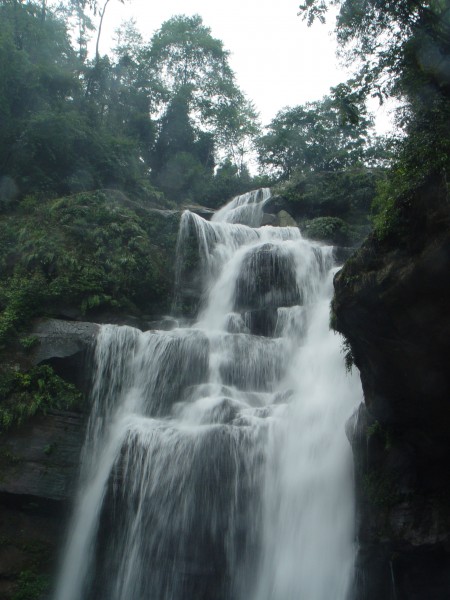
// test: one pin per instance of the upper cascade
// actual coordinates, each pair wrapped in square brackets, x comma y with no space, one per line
[246,209]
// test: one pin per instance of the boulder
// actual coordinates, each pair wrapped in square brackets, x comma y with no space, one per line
[267,280]
[285,219]
[269,219]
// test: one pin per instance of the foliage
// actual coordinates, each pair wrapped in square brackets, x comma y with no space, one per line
[190,62]
[402,50]
[329,229]
[85,251]
[24,394]
[320,136]
[205,113]
[31,585]
[380,489]
[346,194]
[70,124]
[229,181]
[349,359]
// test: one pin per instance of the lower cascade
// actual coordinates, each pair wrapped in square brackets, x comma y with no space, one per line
[216,465]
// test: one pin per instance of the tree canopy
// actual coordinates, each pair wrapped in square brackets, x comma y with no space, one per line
[319,136]
[131,120]
[401,49]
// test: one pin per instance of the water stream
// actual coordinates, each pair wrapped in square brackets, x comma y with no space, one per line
[216,465]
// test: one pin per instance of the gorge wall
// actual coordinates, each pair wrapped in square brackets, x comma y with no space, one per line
[392,303]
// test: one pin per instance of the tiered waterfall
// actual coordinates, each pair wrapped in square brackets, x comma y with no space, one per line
[216,465]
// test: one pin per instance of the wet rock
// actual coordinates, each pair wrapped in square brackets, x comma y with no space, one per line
[392,303]
[201,211]
[342,253]
[40,459]
[275,204]
[285,219]
[62,339]
[267,280]
[67,346]
[261,322]
[269,219]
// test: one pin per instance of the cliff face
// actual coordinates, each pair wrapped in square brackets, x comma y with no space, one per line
[392,303]
[39,464]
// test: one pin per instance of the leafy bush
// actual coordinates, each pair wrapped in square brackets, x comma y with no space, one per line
[24,394]
[328,229]
[31,585]
[334,194]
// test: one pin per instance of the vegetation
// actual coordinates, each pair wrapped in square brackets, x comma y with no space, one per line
[152,113]
[317,137]
[31,585]
[84,252]
[326,161]
[24,394]
[402,50]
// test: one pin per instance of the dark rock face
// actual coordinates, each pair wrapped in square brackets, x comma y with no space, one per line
[40,459]
[275,204]
[392,303]
[201,211]
[267,279]
[39,464]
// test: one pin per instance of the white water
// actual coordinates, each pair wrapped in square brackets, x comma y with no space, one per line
[216,465]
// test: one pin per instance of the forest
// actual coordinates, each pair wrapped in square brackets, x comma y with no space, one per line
[100,154]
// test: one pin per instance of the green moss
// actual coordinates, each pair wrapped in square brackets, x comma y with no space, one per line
[349,359]
[384,433]
[29,342]
[31,585]
[24,394]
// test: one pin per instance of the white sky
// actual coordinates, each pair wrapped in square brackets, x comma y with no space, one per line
[277,59]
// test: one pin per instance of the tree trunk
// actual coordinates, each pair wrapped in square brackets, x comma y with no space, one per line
[102,14]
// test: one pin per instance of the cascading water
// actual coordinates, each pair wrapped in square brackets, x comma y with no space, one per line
[216,465]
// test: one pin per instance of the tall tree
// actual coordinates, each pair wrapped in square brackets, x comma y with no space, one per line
[188,60]
[319,136]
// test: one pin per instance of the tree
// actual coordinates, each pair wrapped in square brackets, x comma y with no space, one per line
[187,60]
[319,136]
[402,50]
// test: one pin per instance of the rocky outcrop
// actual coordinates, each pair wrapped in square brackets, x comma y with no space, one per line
[392,304]
[285,219]
[66,346]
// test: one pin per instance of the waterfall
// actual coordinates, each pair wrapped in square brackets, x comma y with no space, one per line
[215,465]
